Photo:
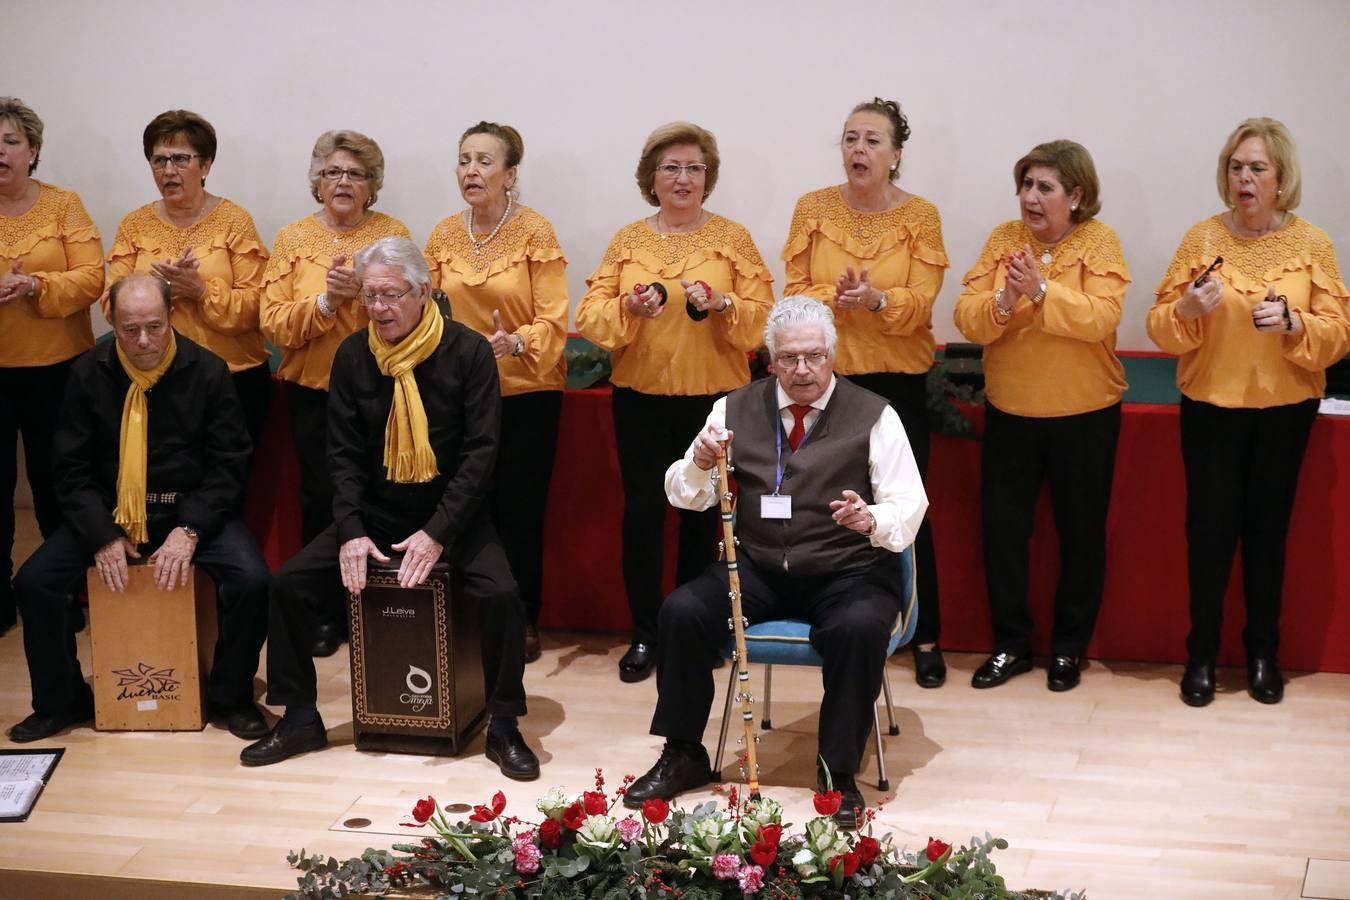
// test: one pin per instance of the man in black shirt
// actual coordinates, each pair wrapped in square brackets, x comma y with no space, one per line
[150,455]
[413,483]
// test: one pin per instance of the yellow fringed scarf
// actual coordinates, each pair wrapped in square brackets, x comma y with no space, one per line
[135,439]
[408,456]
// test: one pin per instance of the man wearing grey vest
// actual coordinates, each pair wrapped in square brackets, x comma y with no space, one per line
[829,496]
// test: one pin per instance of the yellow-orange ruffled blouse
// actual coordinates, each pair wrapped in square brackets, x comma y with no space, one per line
[1224,360]
[59,246]
[231,259]
[1057,358]
[521,273]
[902,251]
[672,354]
[296,275]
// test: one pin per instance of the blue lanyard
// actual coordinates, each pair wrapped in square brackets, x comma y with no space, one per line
[778,444]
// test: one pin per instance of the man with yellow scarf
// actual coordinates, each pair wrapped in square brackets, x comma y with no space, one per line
[413,416]
[150,458]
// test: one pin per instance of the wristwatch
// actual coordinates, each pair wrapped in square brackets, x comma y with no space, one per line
[1038,297]
[881,304]
[190,531]
[520,345]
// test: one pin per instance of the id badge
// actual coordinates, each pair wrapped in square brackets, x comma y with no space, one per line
[775,506]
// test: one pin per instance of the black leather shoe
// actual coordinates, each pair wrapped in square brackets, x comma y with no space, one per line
[1064,673]
[930,669]
[1197,683]
[1264,681]
[533,650]
[851,802]
[284,741]
[244,722]
[513,756]
[327,638]
[999,668]
[36,727]
[675,772]
[638,662]
[9,616]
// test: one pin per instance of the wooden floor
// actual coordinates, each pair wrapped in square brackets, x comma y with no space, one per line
[1116,787]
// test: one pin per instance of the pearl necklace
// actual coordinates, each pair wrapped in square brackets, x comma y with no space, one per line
[479,245]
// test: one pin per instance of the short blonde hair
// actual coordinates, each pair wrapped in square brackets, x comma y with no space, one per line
[666,136]
[21,115]
[1074,164]
[366,151]
[1283,152]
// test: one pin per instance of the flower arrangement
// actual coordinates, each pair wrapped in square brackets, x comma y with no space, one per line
[589,846]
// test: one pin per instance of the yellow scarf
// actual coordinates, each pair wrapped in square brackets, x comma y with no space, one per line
[408,456]
[130,512]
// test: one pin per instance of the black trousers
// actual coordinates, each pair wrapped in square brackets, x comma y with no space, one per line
[309,432]
[254,387]
[478,566]
[1077,454]
[651,432]
[529,442]
[57,569]
[908,396]
[31,401]
[851,615]
[1242,470]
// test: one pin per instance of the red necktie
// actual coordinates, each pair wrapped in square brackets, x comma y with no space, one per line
[798,432]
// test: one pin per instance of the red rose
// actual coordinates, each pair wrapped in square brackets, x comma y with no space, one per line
[827,804]
[550,834]
[763,854]
[573,816]
[424,809]
[483,814]
[869,848]
[848,860]
[936,848]
[594,802]
[771,833]
[655,810]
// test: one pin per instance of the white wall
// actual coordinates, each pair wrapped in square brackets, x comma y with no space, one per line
[1152,88]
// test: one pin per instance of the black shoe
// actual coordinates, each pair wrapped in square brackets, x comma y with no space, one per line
[532,648]
[9,616]
[999,668]
[244,722]
[930,669]
[36,727]
[513,756]
[1264,681]
[677,771]
[637,663]
[1197,683]
[327,638]
[1064,673]
[851,803]
[284,741]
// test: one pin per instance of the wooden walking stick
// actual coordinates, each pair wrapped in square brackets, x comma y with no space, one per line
[750,769]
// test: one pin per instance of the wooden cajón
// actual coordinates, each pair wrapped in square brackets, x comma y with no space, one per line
[417,672]
[152,651]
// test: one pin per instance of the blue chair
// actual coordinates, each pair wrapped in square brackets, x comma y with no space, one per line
[784,642]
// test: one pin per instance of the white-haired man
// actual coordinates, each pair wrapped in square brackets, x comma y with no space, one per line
[829,494]
[413,416]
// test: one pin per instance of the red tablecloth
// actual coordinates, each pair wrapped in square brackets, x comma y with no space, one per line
[1144,611]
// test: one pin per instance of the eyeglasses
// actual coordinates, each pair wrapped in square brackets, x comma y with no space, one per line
[387,298]
[355,176]
[790,361]
[694,170]
[179,160]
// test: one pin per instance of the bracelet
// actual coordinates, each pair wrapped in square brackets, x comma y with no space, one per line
[726,303]
[881,304]
[1000,312]
[325,310]
[871,529]
[32,286]
[520,345]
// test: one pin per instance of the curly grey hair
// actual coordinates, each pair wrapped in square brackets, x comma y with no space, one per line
[799,309]
[395,251]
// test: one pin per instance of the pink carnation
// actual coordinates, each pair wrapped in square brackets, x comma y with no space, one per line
[630,829]
[527,856]
[726,866]
[750,878]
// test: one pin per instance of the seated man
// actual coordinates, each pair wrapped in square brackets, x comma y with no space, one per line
[150,455]
[413,415]
[829,494]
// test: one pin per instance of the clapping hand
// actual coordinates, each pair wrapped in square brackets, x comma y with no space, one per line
[14,284]
[185,283]
[1022,278]
[852,290]
[341,284]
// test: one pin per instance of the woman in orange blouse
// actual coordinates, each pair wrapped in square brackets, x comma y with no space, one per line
[312,302]
[1254,306]
[874,254]
[679,298]
[207,249]
[1044,299]
[506,277]
[51,271]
